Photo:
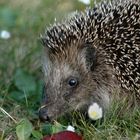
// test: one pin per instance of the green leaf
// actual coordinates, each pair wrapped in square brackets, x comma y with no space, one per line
[7,16]
[37,134]
[46,129]
[57,128]
[24,81]
[24,129]
[17,95]
[49,129]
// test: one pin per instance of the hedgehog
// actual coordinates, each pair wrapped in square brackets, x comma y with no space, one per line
[94,56]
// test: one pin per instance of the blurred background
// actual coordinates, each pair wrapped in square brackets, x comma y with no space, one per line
[21,23]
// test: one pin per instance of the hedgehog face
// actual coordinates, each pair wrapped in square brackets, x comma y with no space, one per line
[71,82]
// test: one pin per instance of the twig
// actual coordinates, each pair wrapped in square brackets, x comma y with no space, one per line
[2,110]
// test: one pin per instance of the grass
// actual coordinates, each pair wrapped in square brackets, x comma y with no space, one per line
[21,74]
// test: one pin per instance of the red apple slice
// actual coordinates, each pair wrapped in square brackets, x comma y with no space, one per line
[64,135]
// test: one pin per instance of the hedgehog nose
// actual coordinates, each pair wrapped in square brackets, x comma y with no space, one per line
[43,116]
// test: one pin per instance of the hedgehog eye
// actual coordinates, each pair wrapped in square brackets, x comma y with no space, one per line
[73,82]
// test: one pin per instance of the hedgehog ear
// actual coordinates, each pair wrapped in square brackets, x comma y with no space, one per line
[90,56]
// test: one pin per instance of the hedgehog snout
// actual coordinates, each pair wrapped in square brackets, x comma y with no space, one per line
[43,115]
